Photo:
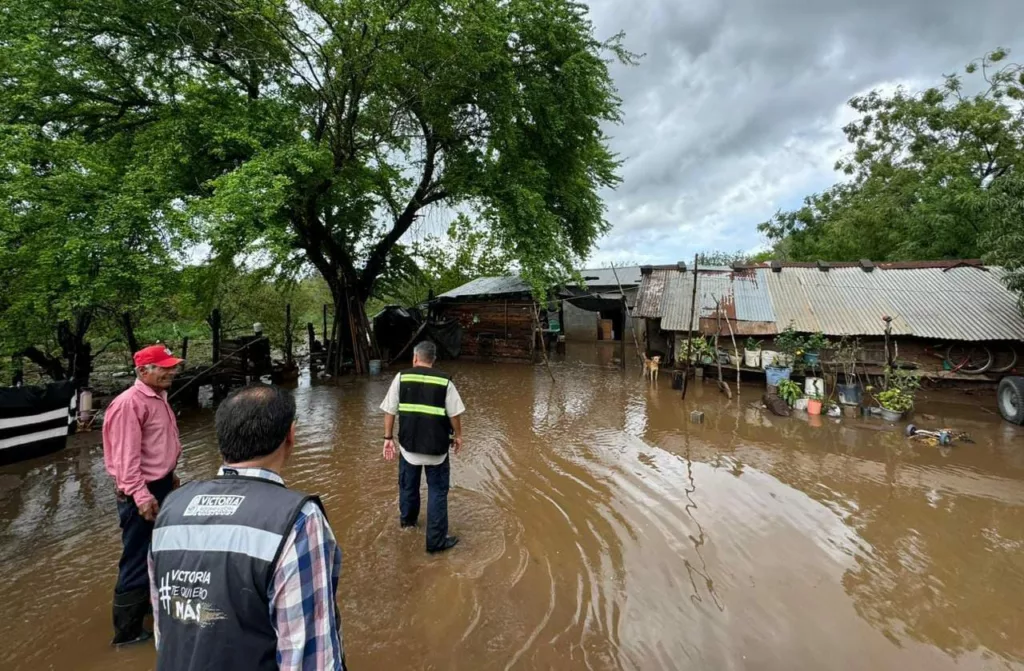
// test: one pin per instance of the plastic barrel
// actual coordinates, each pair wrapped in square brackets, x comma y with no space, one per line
[374,366]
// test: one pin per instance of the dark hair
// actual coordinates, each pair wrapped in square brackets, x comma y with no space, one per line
[253,422]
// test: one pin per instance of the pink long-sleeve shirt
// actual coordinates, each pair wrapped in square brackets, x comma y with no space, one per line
[140,440]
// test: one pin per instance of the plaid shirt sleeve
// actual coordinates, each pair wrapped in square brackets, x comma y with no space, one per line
[302,597]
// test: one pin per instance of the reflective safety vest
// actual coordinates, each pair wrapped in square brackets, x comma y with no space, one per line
[423,424]
[215,548]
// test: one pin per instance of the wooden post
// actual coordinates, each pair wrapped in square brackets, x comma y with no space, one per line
[506,320]
[215,327]
[632,326]
[310,335]
[288,334]
[736,350]
[722,385]
[543,345]
[184,347]
[329,342]
[689,327]
[622,337]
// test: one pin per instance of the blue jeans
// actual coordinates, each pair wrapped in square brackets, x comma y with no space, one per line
[438,480]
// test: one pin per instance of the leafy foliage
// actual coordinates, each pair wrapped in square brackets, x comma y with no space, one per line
[896,400]
[925,174]
[789,341]
[815,342]
[441,264]
[312,132]
[789,391]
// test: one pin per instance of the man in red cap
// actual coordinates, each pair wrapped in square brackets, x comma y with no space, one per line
[140,450]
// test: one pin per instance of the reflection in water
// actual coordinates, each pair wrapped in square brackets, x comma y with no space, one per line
[601,531]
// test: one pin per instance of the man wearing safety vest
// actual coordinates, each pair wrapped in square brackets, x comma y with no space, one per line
[244,571]
[430,409]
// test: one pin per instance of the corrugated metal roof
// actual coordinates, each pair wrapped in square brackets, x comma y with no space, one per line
[489,286]
[649,297]
[605,277]
[666,294]
[952,304]
[753,300]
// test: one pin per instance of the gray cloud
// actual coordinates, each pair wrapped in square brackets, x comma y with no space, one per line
[737,107]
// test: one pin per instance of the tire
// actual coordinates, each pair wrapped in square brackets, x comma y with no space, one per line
[1010,398]
[971,360]
[1005,358]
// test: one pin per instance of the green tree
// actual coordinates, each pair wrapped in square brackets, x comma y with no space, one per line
[921,175]
[317,131]
[78,248]
[439,264]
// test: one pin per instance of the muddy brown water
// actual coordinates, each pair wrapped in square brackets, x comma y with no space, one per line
[601,530]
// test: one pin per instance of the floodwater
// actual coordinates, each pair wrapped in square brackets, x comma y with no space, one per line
[601,530]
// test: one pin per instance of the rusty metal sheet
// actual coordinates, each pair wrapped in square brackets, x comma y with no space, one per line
[649,297]
[741,296]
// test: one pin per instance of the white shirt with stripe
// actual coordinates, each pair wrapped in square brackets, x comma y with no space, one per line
[453,408]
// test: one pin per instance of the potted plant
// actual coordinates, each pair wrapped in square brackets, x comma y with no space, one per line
[895,403]
[898,397]
[752,353]
[776,371]
[788,391]
[812,349]
[814,404]
[845,361]
[700,350]
[788,343]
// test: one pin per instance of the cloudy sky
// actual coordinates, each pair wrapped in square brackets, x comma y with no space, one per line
[736,109]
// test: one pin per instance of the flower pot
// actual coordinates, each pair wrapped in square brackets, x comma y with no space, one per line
[813,406]
[800,404]
[752,358]
[767,358]
[812,359]
[849,394]
[891,415]
[775,374]
[735,361]
[706,359]
[814,386]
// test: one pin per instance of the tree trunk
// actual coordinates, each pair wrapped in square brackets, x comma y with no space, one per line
[51,365]
[353,333]
[129,332]
[74,350]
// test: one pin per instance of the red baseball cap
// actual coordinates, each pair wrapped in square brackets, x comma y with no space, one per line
[156,355]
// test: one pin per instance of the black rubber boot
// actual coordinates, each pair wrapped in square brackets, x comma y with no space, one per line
[449,543]
[130,610]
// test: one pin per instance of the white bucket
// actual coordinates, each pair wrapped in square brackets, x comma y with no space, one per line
[752,359]
[814,387]
[768,358]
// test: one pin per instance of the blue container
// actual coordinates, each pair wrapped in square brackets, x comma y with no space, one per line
[374,366]
[812,358]
[776,374]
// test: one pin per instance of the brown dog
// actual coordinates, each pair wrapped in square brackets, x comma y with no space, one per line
[651,367]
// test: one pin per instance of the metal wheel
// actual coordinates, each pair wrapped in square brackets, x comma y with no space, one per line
[1005,358]
[969,359]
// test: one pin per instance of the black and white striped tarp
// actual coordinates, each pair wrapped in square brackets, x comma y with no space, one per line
[35,420]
